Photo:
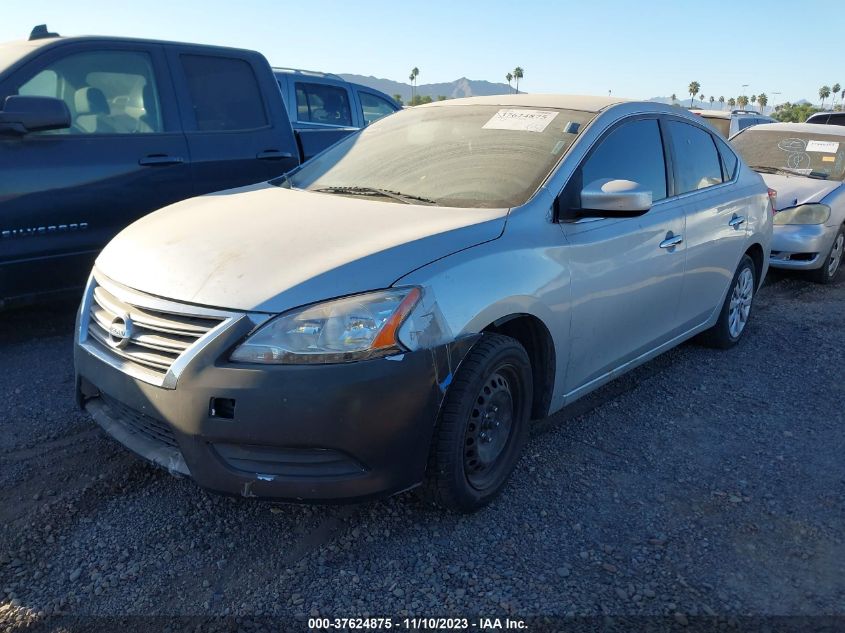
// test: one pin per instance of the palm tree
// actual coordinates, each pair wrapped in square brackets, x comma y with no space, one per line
[517,74]
[835,91]
[731,103]
[694,87]
[712,99]
[674,98]
[509,77]
[742,101]
[413,77]
[824,93]
[722,103]
[701,97]
[762,99]
[753,99]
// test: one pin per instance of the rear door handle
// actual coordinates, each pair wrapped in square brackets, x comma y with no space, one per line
[736,221]
[671,242]
[160,160]
[273,154]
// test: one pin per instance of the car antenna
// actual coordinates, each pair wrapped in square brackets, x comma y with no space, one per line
[40,32]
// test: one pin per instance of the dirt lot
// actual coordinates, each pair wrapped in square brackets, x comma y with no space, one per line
[703,483]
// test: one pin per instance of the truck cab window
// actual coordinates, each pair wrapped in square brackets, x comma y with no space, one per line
[107,92]
[224,93]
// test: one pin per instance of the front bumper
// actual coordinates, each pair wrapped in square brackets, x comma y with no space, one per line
[801,246]
[317,433]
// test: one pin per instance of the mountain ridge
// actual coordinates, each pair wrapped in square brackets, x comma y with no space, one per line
[461,87]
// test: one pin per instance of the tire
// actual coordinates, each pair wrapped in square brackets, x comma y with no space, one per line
[828,271]
[736,310]
[483,425]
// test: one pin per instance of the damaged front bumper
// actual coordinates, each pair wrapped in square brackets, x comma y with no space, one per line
[295,432]
[801,246]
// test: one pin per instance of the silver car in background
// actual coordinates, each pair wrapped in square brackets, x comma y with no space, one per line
[805,164]
[397,310]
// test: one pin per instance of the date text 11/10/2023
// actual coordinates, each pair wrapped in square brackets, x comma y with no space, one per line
[417,624]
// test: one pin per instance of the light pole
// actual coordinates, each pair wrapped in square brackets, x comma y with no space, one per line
[774,101]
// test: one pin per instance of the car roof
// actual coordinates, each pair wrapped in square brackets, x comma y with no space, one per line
[715,114]
[565,102]
[809,128]
[315,74]
[45,42]
[727,114]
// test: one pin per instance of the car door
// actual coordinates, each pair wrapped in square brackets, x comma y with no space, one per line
[704,173]
[65,193]
[236,124]
[627,274]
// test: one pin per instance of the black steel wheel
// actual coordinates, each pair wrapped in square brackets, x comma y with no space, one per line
[483,425]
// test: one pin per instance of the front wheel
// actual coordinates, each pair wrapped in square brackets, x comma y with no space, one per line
[483,425]
[833,262]
[736,310]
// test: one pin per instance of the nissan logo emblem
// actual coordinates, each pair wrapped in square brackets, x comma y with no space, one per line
[120,331]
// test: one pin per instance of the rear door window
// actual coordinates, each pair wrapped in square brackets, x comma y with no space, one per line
[633,151]
[697,163]
[106,92]
[224,92]
[374,107]
[729,159]
[321,103]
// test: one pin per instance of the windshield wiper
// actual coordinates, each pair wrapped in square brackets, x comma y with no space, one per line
[790,172]
[373,191]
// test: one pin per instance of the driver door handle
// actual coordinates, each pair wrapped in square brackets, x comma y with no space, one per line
[273,154]
[671,242]
[160,160]
[736,221]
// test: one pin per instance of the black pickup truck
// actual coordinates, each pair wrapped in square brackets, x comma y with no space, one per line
[97,131]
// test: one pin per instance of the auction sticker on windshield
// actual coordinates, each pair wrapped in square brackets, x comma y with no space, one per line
[825,147]
[521,120]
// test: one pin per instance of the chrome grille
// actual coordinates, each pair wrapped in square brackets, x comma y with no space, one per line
[153,338]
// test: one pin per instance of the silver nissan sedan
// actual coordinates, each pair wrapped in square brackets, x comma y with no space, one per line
[396,311]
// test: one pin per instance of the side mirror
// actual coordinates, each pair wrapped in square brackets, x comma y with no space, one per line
[21,115]
[609,198]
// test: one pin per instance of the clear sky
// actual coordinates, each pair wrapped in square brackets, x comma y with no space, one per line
[639,49]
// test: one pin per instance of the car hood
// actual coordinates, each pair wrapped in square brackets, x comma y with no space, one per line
[795,190]
[268,249]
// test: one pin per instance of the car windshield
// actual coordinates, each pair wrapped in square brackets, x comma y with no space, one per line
[451,155]
[805,153]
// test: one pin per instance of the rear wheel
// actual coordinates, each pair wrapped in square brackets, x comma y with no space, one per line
[833,263]
[483,425]
[736,310]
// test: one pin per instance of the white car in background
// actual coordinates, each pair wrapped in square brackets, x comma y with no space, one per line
[730,122]
[805,164]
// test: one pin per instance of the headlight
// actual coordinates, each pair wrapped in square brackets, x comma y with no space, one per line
[803,214]
[338,331]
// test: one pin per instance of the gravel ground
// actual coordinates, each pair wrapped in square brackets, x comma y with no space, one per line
[703,483]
